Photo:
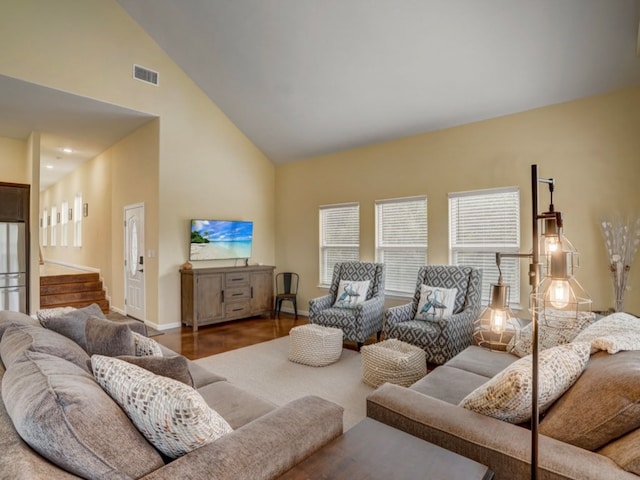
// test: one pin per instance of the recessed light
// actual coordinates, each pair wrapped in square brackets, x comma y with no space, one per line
[67,150]
[49,167]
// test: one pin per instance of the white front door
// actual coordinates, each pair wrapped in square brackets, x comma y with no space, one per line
[134,261]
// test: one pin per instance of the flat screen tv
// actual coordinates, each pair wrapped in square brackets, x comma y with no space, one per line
[220,239]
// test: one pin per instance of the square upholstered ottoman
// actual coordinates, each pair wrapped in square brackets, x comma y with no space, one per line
[315,345]
[392,361]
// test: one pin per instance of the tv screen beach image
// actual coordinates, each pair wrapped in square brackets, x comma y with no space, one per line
[220,239]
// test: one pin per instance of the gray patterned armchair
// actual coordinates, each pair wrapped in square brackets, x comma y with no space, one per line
[441,338]
[361,321]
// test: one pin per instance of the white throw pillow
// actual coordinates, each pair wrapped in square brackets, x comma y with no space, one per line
[351,293]
[549,335]
[146,346]
[508,395]
[172,416]
[435,302]
[616,332]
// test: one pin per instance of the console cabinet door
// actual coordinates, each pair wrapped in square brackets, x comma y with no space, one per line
[208,298]
[261,292]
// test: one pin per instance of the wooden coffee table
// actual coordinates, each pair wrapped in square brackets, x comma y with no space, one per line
[372,450]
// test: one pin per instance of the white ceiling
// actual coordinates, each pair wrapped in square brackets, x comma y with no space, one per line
[64,120]
[307,77]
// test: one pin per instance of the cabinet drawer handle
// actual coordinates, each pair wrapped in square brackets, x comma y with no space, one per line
[237,309]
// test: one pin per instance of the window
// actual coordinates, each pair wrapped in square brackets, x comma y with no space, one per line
[401,241]
[54,226]
[45,224]
[482,223]
[64,224]
[339,237]
[77,221]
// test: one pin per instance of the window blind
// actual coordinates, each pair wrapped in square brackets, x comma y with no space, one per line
[482,223]
[339,237]
[401,241]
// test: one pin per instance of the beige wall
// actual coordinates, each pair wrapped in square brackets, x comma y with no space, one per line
[207,167]
[125,174]
[589,146]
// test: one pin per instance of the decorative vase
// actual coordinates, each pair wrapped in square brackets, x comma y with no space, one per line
[621,239]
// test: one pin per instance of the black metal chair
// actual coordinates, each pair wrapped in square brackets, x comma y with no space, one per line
[286,291]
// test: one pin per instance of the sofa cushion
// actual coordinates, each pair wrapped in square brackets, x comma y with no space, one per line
[616,332]
[172,367]
[449,384]
[508,395]
[551,335]
[237,406]
[625,452]
[9,318]
[17,340]
[60,411]
[479,360]
[171,415]
[145,346]
[603,405]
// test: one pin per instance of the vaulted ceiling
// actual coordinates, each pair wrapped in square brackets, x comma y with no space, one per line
[307,77]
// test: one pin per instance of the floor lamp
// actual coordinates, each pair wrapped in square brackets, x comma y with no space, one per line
[557,296]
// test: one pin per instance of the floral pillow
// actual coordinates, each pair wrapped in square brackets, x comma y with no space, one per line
[351,293]
[435,302]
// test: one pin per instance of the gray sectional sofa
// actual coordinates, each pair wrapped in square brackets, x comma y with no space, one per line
[600,412]
[75,430]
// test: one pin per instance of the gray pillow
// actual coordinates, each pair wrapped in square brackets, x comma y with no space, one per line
[72,324]
[171,367]
[16,340]
[9,318]
[64,415]
[96,335]
[104,337]
[603,405]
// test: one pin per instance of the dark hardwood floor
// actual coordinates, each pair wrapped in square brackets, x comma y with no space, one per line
[222,337]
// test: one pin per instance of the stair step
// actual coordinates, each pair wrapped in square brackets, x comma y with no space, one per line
[61,288]
[71,297]
[69,278]
[103,304]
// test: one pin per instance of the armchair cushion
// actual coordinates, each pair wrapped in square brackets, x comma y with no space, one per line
[351,293]
[435,302]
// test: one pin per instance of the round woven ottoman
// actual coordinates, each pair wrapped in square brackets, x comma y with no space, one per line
[392,361]
[315,345]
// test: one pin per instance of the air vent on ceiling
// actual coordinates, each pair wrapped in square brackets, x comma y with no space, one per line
[145,75]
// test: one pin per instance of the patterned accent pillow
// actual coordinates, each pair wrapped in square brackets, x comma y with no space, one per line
[508,395]
[435,302]
[549,335]
[351,293]
[47,313]
[171,415]
[146,346]
[616,332]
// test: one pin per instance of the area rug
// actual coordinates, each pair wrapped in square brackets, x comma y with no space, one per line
[264,370]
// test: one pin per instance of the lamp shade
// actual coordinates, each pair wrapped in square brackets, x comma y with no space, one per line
[497,324]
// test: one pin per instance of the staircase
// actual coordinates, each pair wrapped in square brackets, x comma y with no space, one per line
[72,290]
